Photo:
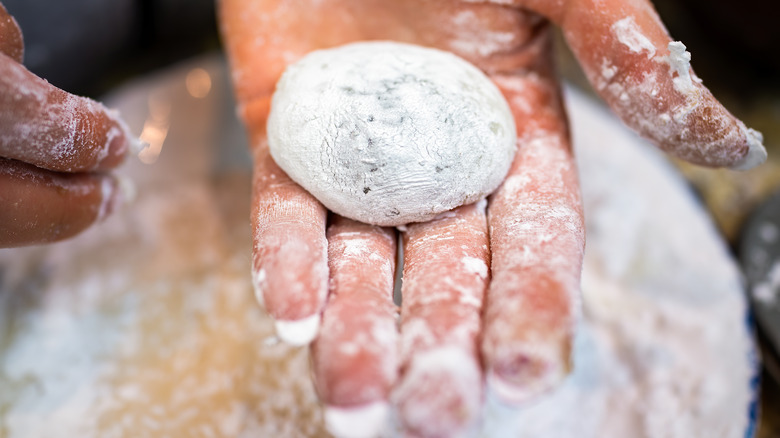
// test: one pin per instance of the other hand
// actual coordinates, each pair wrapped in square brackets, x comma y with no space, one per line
[56,150]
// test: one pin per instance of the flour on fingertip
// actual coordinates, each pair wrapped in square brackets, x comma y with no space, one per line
[299,332]
[756,154]
[364,421]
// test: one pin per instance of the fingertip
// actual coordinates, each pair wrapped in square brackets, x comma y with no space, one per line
[298,332]
[111,138]
[363,421]
[756,154]
[115,191]
[131,144]
[440,393]
[510,393]
[523,377]
[110,198]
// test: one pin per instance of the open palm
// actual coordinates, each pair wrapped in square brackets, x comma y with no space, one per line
[490,291]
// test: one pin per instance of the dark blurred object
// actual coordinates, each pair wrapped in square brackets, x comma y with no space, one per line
[88,46]
[760,258]
[736,44]
[769,426]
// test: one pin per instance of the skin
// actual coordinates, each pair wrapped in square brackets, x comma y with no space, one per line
[362,269]
[54,180]
[445,280]
[507,312]
[517,327]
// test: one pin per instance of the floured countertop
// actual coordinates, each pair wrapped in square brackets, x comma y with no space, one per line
[146,325]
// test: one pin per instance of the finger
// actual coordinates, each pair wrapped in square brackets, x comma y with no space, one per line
[11,42]
[40,206]
[290,250]
[290,268]
[354,357]
[537,243]
[49,128]
[444,281]
[646,78]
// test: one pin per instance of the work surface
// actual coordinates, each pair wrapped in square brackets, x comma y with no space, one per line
[146,325]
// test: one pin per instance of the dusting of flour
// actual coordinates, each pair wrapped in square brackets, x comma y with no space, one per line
[629,35]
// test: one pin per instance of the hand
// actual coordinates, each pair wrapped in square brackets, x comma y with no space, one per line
[489,294]
[55,152]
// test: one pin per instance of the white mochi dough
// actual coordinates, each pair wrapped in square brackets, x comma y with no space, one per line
[388,133]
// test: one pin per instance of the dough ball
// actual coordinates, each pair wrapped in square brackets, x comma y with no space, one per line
[388,133]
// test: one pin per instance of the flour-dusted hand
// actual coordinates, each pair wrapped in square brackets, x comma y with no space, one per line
[55,152]
[490,292]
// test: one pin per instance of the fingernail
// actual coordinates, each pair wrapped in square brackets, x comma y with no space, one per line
[259,285]
[115,191]
[110,195]
[519,386]
[298,332]
[127,189]
[118,142]
[362,421]
[134,144]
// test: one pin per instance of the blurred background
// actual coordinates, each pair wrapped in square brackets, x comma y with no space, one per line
[89,47]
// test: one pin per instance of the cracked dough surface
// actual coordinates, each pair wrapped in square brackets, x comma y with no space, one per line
[389,133]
